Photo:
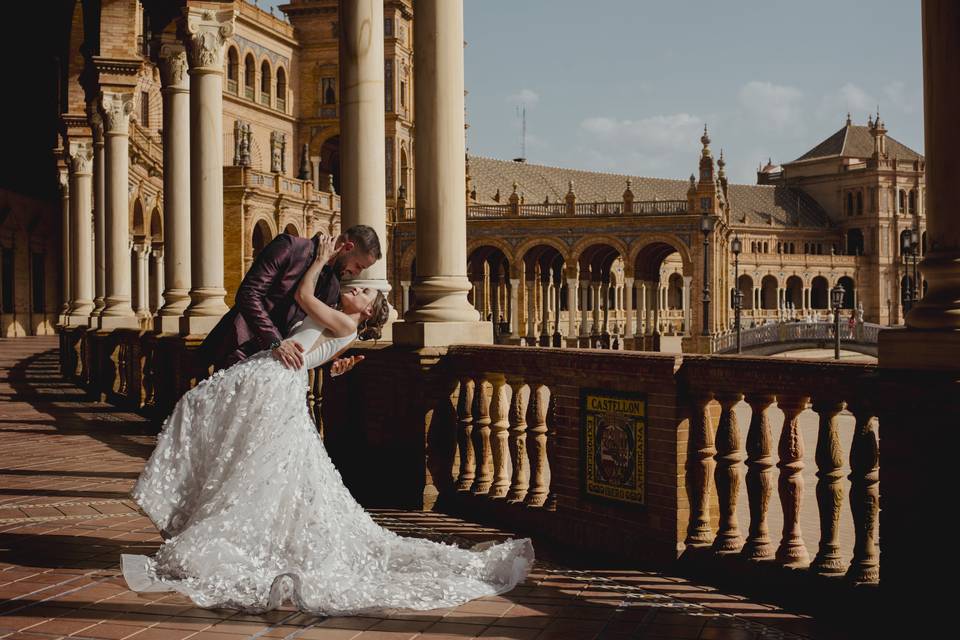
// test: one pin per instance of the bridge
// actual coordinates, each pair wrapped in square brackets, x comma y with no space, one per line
[777,337]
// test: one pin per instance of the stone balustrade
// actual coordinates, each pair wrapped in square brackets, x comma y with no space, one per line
[561,210]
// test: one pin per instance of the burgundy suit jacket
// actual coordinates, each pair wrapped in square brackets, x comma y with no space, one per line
[265,308]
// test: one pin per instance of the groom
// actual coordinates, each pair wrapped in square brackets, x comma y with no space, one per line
[265,310]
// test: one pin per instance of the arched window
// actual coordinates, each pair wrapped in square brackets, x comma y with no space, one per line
[233,70]
[819,293]
[849,297]
[766,247]
[753,247]
[849,204]
[903,201]
[265,82]
[768,292]
[281,89]
[913,201]
[859,203]
[249,76]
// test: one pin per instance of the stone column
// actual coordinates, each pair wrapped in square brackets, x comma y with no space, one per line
[117,312]
[156,279]
[206,32]
[514,311]
[584,318]
[176,186]
[404,295]
[362,136]
[531,309]
[65,242]
[81,230]
[545,308]
[140,268]
[572,308]
[99,216]
[442,314]
[687,288]
[628,306]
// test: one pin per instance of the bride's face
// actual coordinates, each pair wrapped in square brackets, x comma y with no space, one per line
[357,300]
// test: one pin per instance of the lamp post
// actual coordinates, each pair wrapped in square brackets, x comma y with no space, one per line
[917,291]
[836,299]
[906,249]
[736,246]
[706,226]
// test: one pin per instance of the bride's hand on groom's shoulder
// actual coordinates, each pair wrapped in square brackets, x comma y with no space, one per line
[342,365]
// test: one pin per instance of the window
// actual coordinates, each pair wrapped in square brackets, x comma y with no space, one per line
[903,201]
[849,204]
[281,89]
[249,76]
[388,85]
[265,81]
[705,204]
[403,94]
[913,201]
[388,27]
[39,284]
[6,280]
[233,70]
[859,203]
[328,91]
[145,109]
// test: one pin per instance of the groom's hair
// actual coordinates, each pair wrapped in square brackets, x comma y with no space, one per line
[365,238]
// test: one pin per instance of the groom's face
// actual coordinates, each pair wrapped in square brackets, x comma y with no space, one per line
[351,262]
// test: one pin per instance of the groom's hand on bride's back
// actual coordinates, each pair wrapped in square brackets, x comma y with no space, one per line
[289,353]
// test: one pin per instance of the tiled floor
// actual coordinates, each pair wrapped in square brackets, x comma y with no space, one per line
[66,465]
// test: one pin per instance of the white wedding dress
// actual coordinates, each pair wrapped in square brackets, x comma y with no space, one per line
[255,514]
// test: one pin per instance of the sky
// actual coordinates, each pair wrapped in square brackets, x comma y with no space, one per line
[626,86]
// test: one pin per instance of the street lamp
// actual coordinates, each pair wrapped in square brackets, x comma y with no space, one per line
[736,246]
[906,248]
[707,223]
[915,255]
[836,300]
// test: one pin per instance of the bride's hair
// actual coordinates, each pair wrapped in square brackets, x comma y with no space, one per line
[369,329]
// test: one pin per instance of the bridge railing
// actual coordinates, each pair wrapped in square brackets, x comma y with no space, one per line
[562,209]
[862,333]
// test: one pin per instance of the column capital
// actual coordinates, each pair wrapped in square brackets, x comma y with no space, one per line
[207,30]
[63,176]
[80,157]
[96,123]
[173,66]
[116,108]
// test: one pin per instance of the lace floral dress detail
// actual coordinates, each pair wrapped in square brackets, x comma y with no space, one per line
[255,513]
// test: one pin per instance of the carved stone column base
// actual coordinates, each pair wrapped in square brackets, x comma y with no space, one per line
[435,334]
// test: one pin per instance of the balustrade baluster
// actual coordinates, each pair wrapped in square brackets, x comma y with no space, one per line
[500,422]
[791,551]
[829,459]
[728,473]
[518,440]
[759,546]
[700,464]
[468,461]
[481,438]
[540,465]
[864,495]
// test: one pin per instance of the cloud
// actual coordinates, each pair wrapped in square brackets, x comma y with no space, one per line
[527,97]
[895,93]
[848,98]
[673,132]
[771,106]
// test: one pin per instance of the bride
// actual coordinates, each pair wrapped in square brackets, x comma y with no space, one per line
[254,514]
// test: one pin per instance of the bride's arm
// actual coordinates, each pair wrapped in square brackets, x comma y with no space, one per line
[339,323]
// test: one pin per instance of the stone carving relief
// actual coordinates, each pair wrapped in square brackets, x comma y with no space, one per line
[80,157]
[241,143]
[208,31]
[173,64]
[278,152]
[117,108]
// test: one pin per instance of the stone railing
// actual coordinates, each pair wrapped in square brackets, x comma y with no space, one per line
[784,332]
[562,210]
[279,184]
[145,149]
[524,436]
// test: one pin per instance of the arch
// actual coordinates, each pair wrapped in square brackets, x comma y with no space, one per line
[261,236]
[854,242]
[502,245]
[137,227]
[249,75]
[521,251]
[585,243]
[266,82]
[674,242]
[768,292]
[649,261]
[292,229]
[819,293]
[597,258]
[849,291]
[795,291]
[233,69]
[407,260]
[745,284]
[281,88]
[675,291]
[156,225]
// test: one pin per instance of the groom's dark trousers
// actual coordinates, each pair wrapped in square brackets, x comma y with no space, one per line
[265,310]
